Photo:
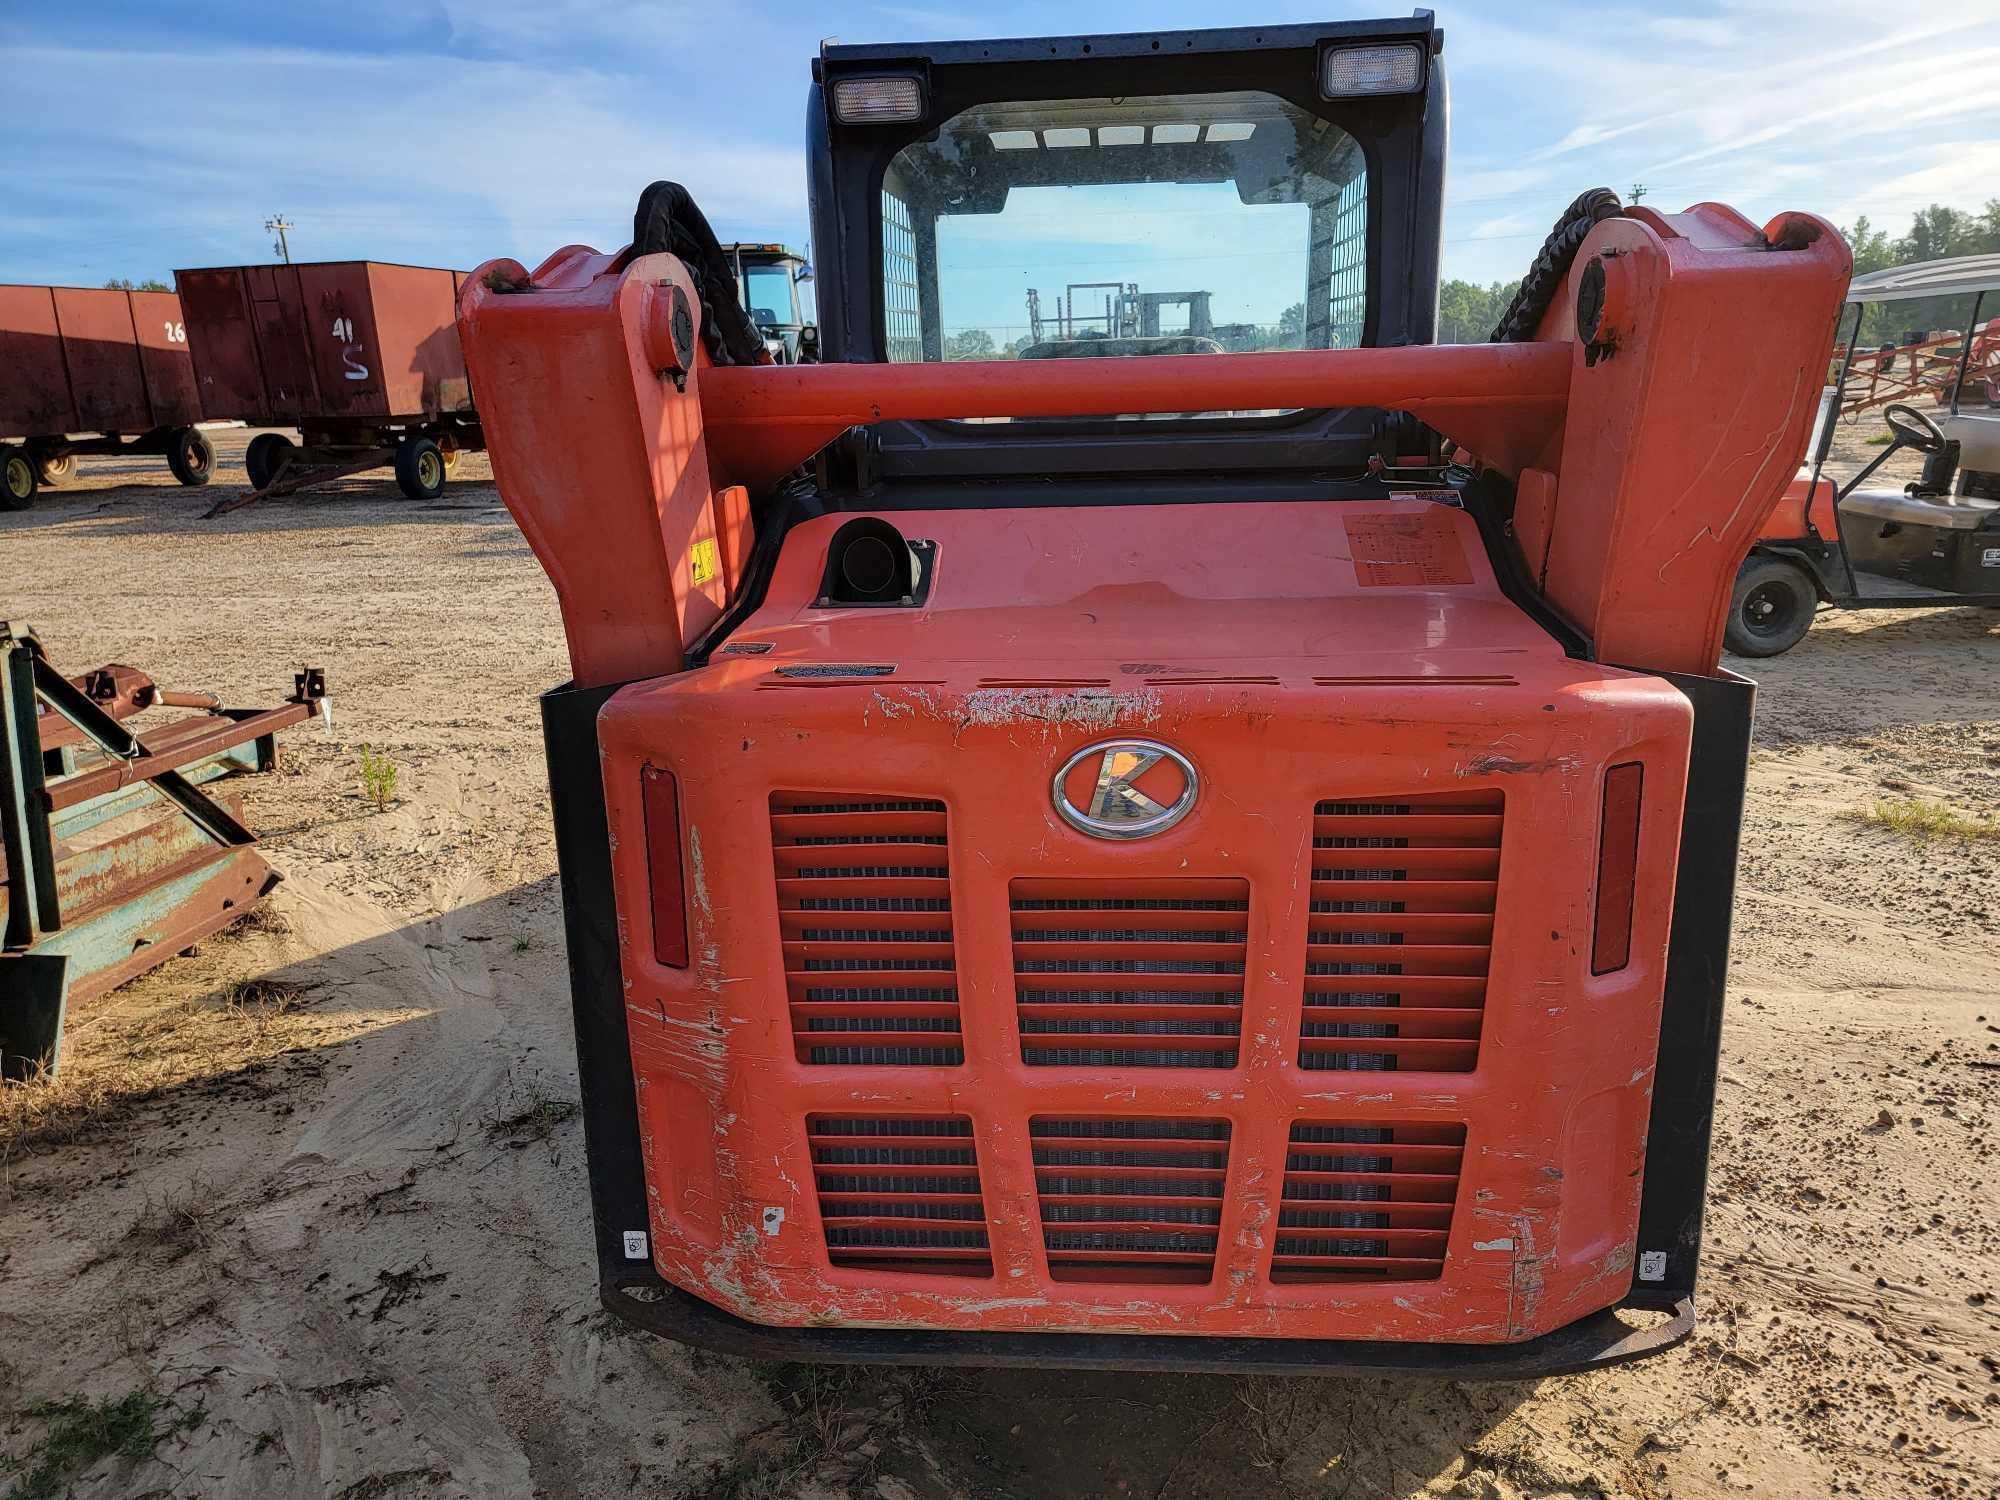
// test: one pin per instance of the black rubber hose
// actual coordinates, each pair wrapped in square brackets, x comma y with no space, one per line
[1538,289]
[668,220]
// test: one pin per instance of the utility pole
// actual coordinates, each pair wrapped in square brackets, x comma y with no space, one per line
[1639,190]
[277,224]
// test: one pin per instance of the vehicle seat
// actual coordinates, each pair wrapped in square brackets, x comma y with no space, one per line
[1944,512]
[1978,439]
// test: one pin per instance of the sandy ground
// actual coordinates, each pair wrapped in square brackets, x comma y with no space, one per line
[319,1188]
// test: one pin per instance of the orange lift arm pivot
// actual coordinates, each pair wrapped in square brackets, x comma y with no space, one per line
[1646,446]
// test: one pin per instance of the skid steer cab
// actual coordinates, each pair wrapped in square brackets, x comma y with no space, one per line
[1916,523]
[1211,851]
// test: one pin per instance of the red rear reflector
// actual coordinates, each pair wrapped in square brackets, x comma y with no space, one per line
[1617,868]
[663,866]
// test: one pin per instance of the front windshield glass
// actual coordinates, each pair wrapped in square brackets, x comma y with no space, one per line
[1148,225]
[767,294]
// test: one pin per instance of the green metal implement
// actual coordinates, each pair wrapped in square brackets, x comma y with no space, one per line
[120,851]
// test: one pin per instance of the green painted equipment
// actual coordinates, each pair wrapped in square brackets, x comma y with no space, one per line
[121,850]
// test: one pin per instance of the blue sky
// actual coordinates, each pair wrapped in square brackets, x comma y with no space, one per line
[138,137]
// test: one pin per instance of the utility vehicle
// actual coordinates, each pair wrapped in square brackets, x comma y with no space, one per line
[774,286]
[1136,860]
[1935,541]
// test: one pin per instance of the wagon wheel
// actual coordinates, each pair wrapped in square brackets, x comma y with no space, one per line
[191,457]
[59,469]
[17,479]
[267,453]
[420,468]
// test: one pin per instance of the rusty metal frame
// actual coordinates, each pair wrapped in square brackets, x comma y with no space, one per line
[78,924]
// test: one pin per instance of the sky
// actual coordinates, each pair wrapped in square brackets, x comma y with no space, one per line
[141,137]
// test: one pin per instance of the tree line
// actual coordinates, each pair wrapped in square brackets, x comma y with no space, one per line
[1936,233]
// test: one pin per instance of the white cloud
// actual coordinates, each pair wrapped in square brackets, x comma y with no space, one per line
[1487,184]
[936,23]
[1700,31]
[1833,106]
[391,156]
[1507,226]
[1963,173]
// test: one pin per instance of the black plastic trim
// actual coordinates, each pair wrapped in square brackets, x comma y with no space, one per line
[1592,1343]
[1684,1075]
[597,991]
[1489,500]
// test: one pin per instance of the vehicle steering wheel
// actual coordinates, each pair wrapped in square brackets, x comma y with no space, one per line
[1913,429]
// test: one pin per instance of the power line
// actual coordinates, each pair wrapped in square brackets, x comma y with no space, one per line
[278,224]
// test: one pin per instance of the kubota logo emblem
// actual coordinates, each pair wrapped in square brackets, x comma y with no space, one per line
[1118,807]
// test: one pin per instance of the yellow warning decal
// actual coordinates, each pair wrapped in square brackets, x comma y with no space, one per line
[705,561]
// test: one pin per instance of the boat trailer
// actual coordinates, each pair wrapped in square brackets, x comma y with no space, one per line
[121,851]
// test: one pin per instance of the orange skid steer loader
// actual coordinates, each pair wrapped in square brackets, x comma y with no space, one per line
[1195,861]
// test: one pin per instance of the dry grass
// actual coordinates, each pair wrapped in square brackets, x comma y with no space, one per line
[526,1113]
[177,1222]
[1915,818]
[144,1042]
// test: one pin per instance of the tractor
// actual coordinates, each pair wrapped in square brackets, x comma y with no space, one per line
[774,286]
[1168,860]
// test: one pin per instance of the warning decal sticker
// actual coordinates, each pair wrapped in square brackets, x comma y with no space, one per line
[1413,550]
[705,561]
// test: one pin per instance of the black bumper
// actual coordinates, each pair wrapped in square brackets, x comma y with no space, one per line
[1591,1343]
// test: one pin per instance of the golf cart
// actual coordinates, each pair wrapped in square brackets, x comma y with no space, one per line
[773,284]
[1935,540]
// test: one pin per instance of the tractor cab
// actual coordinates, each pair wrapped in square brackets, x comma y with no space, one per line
[1905,514]
[1269,190]
[774,288]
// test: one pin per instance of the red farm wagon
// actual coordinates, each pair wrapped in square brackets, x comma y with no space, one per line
[93,370]
[361,357]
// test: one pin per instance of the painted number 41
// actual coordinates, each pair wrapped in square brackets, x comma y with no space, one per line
[343,329]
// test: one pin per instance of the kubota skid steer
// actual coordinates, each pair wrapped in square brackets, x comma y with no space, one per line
[1201,861]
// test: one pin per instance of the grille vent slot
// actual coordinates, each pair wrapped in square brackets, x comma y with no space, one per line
[1367,1202]
[864,908]
[1129,973]
[1400,932]
[1134,1200]
[900,1194]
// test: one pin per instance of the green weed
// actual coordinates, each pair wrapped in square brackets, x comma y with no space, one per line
[378,779]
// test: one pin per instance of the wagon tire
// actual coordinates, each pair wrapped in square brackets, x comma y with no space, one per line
[192,457]
[1771,609]
[18,480]
[265,456]
[55,471]
[420,468]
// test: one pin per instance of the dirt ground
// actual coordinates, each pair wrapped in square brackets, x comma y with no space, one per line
[316,1193]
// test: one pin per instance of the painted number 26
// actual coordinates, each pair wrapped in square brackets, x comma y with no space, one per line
[176,333]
